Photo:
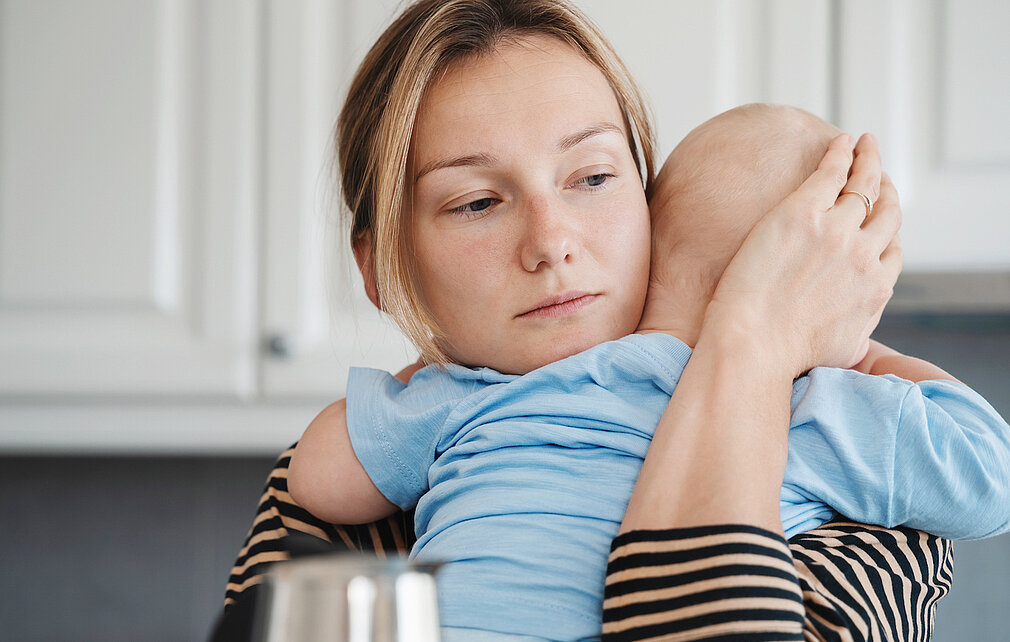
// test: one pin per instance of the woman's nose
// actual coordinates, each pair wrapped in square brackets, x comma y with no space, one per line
[548,237]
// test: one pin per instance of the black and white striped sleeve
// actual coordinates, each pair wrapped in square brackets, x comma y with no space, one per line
[281,526]
[842,581]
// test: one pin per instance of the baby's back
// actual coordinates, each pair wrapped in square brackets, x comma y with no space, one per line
[528,487]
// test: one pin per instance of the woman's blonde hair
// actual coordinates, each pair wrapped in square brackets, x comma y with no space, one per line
[376,123]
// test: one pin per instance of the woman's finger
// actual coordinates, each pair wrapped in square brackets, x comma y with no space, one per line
[892,259]
[886,276]
[883,224]
[822,187]
[891,262]
[865,176]
[862,189]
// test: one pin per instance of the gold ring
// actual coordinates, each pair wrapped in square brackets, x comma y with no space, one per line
[866,199]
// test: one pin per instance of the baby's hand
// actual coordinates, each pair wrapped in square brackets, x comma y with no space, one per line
[881,360]
[874,350]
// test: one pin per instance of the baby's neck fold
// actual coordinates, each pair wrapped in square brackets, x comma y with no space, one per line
[677,310]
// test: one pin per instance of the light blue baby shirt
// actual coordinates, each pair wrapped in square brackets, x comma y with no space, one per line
[521,482]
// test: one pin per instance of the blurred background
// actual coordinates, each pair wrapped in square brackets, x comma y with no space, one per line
[176,303]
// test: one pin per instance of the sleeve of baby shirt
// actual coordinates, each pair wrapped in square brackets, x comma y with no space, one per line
[395,427]
[933,455]
[951,463]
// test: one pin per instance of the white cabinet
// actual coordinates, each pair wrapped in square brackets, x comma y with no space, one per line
[316,319]
[696,58]
[128,174]
[163,220]
[932,80]
[173,273]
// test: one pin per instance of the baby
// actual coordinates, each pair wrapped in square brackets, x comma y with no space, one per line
[520,482]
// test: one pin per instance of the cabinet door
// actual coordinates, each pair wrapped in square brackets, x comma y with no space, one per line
[932,80]
[127,182]
[695,59]
[317,321]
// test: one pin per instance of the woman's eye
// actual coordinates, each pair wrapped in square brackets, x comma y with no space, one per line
[473,207]
[595,180]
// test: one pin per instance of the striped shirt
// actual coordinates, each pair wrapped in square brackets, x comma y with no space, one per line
[842,581]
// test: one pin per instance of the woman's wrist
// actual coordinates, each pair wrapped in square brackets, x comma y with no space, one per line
[719,451]
[736,337]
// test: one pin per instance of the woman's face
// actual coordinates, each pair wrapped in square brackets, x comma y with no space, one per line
[529,221]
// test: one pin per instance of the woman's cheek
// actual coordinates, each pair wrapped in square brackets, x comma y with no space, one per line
[631,244]
[463,265]
[628,232]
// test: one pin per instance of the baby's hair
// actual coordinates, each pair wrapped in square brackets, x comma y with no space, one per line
[726,174]
[376,123]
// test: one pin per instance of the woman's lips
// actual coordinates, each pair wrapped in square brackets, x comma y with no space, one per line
[559,306]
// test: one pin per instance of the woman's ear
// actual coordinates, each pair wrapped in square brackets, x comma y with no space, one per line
[366,265]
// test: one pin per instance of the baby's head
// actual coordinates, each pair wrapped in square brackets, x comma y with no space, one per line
[719,181]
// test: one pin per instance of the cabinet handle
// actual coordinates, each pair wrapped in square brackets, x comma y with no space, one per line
[280,346]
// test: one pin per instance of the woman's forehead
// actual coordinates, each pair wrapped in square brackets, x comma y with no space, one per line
[525,90]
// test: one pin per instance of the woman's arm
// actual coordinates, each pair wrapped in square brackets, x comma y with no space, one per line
[842,581]
[714,458]
[701,553]
[805,289]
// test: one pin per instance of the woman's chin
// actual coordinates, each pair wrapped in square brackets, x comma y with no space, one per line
[557,350]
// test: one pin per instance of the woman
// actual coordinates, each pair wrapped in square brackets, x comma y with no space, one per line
[717,433]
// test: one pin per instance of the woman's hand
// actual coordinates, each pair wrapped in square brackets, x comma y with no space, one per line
[806,288]
[811,280]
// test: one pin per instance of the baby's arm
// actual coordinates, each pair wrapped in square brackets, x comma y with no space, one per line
[881,360]
[932,455]
[325,476]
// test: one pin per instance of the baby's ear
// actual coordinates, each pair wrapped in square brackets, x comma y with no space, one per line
[366,265]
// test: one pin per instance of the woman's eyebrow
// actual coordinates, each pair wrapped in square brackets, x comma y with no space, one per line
[596,129]
[487,160]
[469,160]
